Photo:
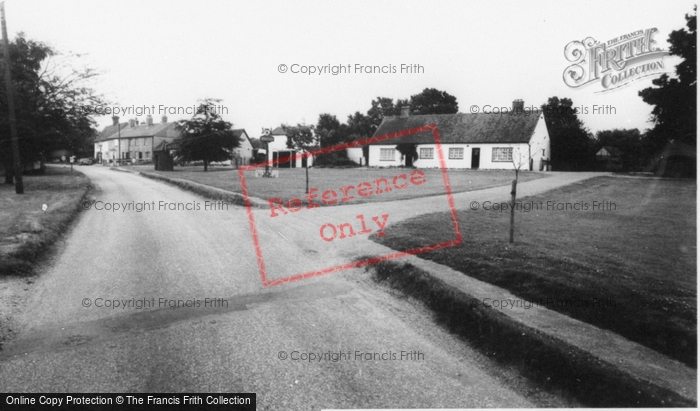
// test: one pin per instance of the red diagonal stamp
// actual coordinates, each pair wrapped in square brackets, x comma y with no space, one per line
[325,224]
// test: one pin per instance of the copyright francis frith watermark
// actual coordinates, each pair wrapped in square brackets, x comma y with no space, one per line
[614,63]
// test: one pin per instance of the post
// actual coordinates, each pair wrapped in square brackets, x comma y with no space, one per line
[512,206]
[119,144]
[267,159]
[19,185]
[307,174]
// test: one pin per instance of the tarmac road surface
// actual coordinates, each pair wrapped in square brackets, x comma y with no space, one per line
[172,301]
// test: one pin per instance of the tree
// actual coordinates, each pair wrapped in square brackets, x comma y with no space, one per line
[381,107]
[301,137]
[675,100]
[433,101]
[570,140]
[53,102]
[206,136]
[409,151]
[360,126]
[519,159]
[328,130]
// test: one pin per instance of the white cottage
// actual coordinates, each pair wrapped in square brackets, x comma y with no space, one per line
[279,150]
[476,141]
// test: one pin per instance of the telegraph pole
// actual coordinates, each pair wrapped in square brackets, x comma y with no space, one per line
[19,186]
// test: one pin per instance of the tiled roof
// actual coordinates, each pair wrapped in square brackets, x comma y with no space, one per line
[238,132]
[462,128]
[171,145]
[279,131]
[108,131]
[141,130]
[613,151]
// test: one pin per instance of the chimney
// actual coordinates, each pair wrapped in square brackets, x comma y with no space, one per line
[132,122]
[164,119]
[115,120]
[404,111]
[518,106]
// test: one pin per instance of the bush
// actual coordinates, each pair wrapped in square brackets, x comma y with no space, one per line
[335,159]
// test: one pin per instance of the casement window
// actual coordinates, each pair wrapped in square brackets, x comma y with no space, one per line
[456,153]
[387,154]
[502,154]
[426,153]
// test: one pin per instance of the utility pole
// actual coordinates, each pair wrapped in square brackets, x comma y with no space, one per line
[19,185]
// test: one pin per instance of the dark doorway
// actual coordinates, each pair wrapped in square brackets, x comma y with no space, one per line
[476,152]
[284,159]
[304,161]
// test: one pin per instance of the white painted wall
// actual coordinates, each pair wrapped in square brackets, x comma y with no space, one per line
[374,159]
[539,149]
[355,154]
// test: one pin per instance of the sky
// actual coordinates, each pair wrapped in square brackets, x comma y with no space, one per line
[486,54]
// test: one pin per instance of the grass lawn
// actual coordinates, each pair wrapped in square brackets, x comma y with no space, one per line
[292,182]
[25,228]
[638,261]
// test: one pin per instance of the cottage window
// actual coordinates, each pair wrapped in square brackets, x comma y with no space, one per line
[426,153]
[502,154]
[387,154]
[456,153]
[543,152]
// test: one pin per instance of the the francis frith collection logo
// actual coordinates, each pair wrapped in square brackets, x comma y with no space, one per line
[614,63]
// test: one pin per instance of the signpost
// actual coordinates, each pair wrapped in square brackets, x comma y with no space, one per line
[267,139]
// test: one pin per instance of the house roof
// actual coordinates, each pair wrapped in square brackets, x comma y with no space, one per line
[462,128]
[279,131]
[238,132]
[140,130]
[109,130]
[256,143]
[613,151]
[171,145]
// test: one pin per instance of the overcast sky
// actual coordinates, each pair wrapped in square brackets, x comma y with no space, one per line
[172,53]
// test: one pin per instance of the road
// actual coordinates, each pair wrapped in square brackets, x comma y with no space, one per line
[234,338]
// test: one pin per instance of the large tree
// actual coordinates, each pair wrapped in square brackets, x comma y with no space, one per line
[329,130]
[381,107]
[206,136]
[675,100]
[53,102]
[571,142]
[434,101]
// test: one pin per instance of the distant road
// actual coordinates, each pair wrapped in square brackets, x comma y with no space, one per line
[206,257]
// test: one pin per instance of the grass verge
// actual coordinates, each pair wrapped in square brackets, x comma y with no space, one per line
[27,229]
[638,261]
[197,188]
[554,365]
[292,182]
